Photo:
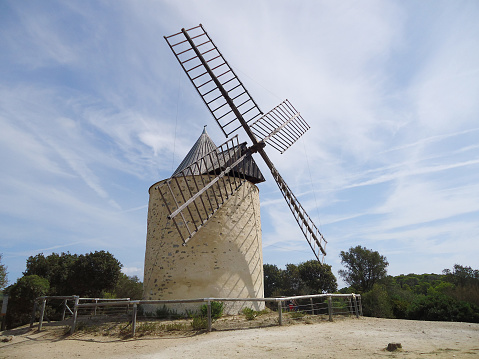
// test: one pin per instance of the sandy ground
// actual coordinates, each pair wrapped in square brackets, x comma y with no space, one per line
[347,338]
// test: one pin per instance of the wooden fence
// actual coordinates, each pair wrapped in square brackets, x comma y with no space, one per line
[283,304]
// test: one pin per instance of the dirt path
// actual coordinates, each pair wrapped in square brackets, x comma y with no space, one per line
[358,338]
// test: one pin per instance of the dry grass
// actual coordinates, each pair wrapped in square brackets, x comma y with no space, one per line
[122,328]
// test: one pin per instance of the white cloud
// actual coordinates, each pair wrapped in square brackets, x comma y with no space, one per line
[415,202]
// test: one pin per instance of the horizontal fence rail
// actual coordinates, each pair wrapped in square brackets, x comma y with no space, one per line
[70,305]
[333,304]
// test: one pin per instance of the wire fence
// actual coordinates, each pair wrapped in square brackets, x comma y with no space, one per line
[279,311]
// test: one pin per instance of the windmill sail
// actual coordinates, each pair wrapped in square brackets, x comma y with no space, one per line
[280,127]
[196,191]
[213,78]
[232,107]
[312,234]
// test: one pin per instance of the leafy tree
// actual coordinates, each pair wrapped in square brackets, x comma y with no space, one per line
[94,273]
[56,268]
[467,294]
[400,302]
[364,267]
[376,302]
[292,284]
[3,274]
[462,276]
[309,277]
[418,283]
[21,297]
[86,274]
[317,277]
[272,280]
[128,287]
[466,283]
[440,288]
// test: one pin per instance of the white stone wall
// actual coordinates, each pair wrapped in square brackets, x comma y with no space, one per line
[224,259]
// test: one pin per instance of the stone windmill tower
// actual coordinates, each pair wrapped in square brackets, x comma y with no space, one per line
[212,195]
[225,260]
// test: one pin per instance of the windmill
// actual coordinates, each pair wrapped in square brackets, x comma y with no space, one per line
[213,195]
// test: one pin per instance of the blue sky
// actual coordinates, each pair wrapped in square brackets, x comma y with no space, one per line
[94,109]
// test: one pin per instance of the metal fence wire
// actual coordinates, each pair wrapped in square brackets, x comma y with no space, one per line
[279,311]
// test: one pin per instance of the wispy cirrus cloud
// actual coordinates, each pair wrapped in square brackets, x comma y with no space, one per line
[94,109]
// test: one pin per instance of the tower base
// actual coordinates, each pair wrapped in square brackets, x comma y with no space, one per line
[223,260]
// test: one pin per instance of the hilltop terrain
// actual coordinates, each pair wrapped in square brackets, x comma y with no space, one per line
[350,337]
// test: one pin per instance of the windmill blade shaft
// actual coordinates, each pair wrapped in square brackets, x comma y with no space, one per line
[224,93]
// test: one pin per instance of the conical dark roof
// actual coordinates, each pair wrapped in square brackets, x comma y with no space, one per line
[203,146]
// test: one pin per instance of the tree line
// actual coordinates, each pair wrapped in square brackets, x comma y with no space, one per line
[363,268]
[304,278]
[450,296]
[95,275]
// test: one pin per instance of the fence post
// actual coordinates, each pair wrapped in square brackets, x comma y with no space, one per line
[280,312]
[356,305]
[209,315]
[360,305]
[96,302]
[32,319]
[42,312]
[312,305]
[330,309]
[133,320]
[64,309]
[3,314]
[75,314]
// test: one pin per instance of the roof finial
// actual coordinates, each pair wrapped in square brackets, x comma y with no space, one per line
[204,129]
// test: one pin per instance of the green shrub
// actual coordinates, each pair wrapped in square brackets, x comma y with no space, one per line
[216,310]
[249,313]
[443,308]
[400,300]
[376,303]
[399,307]
[22,296]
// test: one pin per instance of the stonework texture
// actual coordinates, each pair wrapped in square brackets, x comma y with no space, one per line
[223,260]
